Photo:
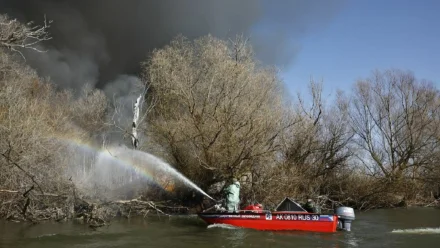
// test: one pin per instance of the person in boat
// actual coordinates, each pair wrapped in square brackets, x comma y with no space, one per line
[232,195]
[309,206]
[312,207]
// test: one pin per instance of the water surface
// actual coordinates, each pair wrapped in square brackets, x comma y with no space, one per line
[376,228]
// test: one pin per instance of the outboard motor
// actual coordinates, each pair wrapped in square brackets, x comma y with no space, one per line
[345,217]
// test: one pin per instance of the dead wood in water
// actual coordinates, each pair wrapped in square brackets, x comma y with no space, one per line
[141,206]
[8,191]
[33,207]
[30,206]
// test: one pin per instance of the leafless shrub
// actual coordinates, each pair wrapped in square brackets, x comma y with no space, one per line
[15,35]
[90,110]
[316,148]
[394,118]
[217,113]
[35,121]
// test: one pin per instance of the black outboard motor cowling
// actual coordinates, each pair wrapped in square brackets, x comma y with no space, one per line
[345,217]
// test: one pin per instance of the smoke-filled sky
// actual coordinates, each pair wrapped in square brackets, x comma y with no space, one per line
[98,41]
[102,41]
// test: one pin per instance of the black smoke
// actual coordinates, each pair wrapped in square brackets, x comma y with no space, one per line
[97,41]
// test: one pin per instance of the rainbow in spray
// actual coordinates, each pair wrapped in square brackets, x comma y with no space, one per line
[144,164]
[143,171]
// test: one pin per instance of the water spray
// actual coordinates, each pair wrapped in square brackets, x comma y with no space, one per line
[150,159]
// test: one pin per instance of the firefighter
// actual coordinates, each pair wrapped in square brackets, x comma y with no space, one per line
[232,195]
[309,206]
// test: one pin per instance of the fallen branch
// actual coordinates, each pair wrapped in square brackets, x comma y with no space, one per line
[26,205]
[26,193]
[435,202]
[9,191]
[35,194]
[61,207]
[148,203]
[7,156]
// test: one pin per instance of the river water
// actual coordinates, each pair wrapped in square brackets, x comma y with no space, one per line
[403,228]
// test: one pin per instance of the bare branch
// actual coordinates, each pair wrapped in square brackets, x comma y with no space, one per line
[15,35]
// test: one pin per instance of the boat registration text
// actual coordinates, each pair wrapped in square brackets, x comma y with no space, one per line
[310,217]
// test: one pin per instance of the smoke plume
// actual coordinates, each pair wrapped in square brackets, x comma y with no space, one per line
[97,41]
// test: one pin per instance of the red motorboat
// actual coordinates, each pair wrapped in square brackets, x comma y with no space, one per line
[289,215]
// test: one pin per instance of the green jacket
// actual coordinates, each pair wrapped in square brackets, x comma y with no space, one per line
[309,207]
[233,193]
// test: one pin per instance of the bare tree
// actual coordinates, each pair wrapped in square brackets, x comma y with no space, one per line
[89,110]
[317,147]
[15,35]
[217,112]
[127,123]
[36,122]
[392,116]
[30,115]
[134,138]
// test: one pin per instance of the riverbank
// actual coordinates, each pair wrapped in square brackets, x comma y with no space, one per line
[34,207]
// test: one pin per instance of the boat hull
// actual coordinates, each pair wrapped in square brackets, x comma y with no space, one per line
[275,221]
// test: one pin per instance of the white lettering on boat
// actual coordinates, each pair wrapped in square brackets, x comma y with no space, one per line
[225,216]
[250,216]
[303,217]
[242,216]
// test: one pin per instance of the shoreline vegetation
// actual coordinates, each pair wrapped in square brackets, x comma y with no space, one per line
[213,112]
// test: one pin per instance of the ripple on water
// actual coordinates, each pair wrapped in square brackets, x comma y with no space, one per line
[224,226]
[418,230]
[46,235]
